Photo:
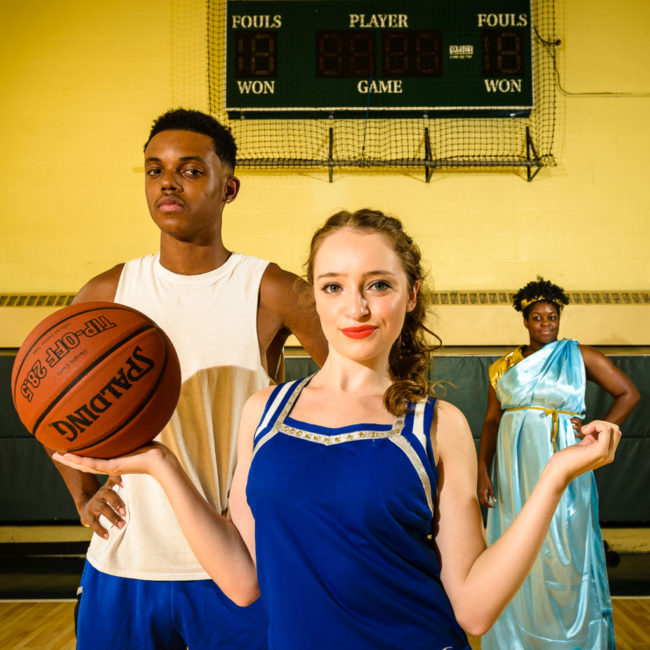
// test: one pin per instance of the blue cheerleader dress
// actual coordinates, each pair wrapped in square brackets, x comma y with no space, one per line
[344,520]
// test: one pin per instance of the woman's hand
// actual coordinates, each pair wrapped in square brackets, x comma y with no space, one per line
[142,461]
[485,489]
[597,448]
[577,425]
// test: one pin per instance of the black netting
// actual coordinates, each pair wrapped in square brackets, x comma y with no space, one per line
[422,141]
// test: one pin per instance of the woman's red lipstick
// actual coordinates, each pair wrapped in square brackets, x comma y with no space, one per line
[358,332]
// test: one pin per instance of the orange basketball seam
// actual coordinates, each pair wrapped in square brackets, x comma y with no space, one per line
[67,317]
[143,403]
[81,375]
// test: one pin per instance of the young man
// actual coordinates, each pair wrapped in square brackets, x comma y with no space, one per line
[228,316]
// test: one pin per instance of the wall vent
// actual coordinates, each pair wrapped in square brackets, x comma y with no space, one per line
[469,298]
[472,298]
[35,299]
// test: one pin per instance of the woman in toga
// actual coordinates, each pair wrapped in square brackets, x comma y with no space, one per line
[354,498]
[535,404]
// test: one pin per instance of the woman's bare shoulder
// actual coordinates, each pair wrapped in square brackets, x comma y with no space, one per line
[450,430]
[257,401]
[447,413]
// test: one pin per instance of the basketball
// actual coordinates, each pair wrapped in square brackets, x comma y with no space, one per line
[96,379]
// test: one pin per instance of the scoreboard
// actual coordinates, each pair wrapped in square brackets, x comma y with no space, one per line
[377,58]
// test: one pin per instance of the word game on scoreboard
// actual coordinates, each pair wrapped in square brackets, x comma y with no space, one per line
[358,58]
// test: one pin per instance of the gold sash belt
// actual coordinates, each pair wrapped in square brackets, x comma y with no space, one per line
[555,425]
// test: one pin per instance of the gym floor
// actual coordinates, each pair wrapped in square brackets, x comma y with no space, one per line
[45,562]
[40,567]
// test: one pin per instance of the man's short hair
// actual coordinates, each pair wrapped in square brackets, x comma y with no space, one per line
[182,119]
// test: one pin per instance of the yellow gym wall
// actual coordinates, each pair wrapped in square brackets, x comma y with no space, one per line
[81,82]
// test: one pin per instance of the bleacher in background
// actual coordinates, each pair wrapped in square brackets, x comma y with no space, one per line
[31,490]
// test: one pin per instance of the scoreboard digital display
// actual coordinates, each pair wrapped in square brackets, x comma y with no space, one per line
[375,58]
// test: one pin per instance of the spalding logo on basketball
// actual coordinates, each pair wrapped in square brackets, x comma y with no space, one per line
[97,379]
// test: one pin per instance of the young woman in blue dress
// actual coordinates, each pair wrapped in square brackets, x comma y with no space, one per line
[535,406]
[354,499]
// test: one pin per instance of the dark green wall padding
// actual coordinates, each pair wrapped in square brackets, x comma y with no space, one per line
[31,490]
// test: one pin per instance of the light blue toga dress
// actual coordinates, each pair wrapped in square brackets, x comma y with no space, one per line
[565,600]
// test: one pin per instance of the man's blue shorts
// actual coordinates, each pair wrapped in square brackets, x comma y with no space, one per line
[154,615]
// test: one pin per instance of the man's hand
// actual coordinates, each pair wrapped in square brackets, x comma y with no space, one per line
[105,502]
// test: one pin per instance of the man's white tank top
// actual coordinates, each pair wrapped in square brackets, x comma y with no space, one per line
[211,319]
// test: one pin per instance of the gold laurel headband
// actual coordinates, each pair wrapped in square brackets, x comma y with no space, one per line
[529,301]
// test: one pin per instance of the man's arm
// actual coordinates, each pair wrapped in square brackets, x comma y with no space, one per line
[91,499]
[211,535]
[101,288]
[286,306]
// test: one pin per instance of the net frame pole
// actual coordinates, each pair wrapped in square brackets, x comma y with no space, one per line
[535,161]
[330,158]
[428,157]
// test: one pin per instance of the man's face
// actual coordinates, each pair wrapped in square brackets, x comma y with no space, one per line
[186,185]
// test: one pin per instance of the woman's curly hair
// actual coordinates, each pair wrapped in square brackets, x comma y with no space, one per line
[539,291]
[410,355]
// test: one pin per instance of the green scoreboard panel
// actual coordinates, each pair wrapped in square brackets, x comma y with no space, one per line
[378,58]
